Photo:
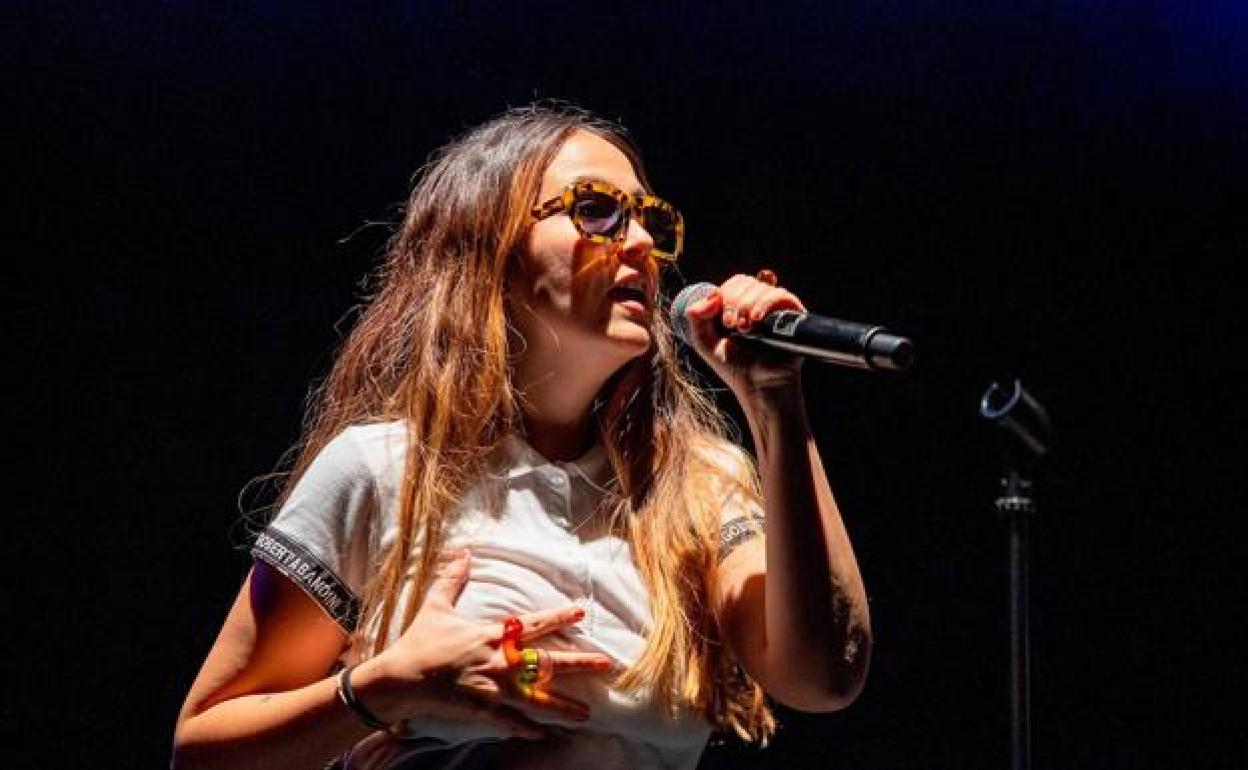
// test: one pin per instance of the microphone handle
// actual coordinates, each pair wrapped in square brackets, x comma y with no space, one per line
[843,343]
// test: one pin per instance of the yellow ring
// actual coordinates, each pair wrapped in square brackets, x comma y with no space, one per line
[530,673]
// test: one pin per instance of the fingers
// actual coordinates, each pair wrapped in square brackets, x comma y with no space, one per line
[556,703]
[483,704]
[703,317]
[738,304]
[578,662]
[511,718]
[482,686]
[505,665]
[535,625]
[747,300]
[450,579]
[539,624]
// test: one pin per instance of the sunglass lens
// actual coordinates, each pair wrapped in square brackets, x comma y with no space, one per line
[660,223]
[598,213]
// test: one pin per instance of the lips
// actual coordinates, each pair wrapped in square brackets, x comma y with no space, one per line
[629,293]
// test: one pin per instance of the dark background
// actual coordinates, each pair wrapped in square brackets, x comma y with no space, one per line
[1048,190]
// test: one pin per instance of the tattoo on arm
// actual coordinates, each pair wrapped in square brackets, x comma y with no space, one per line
[736,532]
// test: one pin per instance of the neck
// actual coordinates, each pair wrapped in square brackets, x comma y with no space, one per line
[557,397]
[559,441]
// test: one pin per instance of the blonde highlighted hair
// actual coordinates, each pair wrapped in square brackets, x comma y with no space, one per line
[432,348]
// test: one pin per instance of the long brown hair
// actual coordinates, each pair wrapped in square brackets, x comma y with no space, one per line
[431,348]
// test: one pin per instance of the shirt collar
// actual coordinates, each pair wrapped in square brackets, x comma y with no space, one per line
[518,458]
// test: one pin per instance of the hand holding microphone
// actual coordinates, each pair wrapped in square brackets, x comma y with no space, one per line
[757,313]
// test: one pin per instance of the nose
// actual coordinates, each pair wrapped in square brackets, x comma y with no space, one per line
[638,245]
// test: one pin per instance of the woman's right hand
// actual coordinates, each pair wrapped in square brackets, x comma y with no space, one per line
[445,665]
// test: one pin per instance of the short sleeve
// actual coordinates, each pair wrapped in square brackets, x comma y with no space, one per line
[322,537]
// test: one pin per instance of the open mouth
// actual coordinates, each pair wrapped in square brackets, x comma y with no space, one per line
[629,294]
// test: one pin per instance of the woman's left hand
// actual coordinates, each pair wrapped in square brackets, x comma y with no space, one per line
[738,304]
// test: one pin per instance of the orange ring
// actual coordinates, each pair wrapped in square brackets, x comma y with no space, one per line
[767,276]
[511,653]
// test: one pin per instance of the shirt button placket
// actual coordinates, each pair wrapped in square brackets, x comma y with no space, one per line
[558,483]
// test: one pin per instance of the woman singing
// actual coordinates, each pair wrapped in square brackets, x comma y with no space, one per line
[517,536]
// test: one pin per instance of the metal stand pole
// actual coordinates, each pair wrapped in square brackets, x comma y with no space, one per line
[1029,429]
[1016,503]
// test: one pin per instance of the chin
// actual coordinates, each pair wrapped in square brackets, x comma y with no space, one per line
[631,337]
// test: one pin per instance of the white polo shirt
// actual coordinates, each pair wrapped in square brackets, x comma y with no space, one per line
[537,543]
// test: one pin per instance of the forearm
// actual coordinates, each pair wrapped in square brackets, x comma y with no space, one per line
[296,729]
[818,629]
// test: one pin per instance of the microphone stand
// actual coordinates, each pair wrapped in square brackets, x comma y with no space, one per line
[1029,432]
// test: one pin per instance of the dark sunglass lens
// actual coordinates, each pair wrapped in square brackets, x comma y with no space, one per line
[598,213]
[661,225]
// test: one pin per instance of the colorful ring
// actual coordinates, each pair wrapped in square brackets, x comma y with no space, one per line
[529,660]
[530,656]
[513,629]
[767,276]
[535,669]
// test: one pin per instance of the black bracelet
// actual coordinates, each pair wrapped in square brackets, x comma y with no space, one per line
[347,696]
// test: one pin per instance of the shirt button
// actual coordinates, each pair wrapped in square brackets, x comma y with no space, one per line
[556,478]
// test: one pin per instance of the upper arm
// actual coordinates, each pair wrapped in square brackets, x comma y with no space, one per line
[741,582]
[741,572]
[292,617]
[274,638]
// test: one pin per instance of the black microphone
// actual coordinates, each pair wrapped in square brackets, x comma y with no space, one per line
[843,343]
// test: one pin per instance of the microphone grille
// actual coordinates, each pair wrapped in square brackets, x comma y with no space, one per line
[687,296]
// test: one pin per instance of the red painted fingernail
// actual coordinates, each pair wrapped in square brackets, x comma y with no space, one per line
[578,613]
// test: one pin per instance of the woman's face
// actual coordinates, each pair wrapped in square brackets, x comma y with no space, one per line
[567,295]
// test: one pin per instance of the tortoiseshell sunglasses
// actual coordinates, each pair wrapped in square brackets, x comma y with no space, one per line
[601,213]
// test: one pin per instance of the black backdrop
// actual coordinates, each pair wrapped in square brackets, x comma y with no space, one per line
[1050,190]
